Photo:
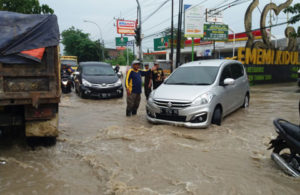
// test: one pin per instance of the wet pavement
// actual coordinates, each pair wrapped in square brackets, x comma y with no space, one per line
[100,151]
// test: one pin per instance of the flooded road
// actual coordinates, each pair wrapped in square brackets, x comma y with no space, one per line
[100,151]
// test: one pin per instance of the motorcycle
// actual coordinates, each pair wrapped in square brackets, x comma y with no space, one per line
[66,83]
[286,147]
[120,75]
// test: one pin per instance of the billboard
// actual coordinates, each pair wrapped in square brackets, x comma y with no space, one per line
[215,32]
[193,21]
[269,65]
[121,41]
[161,43]
[126,27]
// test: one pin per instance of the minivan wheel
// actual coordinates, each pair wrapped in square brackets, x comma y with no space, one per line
[246,102]
[217,116]
[81,94]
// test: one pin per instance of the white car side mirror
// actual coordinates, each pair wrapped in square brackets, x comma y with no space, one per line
[229,81]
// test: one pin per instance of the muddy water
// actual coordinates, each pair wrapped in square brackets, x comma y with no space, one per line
[100,151]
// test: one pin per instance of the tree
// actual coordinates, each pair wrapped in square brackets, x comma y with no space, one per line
[167,32]
[122,58]
[294,10]
[79,44]
[25,7]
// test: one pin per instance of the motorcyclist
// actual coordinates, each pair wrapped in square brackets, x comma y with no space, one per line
[117,68]
[67,70]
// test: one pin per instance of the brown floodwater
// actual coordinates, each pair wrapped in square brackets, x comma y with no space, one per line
[100,151]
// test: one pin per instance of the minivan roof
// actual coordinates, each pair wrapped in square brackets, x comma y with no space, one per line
[213,62]
[94,63]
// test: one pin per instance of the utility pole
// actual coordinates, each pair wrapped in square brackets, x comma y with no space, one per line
[127,54]
[139,28]
[179,33]
[172,35]
[133,48]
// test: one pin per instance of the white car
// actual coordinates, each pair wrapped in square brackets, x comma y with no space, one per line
[200,93]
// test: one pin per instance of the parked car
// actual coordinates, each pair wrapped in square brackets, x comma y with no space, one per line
[200,93]
[97,79]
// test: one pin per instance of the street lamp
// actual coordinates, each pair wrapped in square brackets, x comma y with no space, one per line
[101,37]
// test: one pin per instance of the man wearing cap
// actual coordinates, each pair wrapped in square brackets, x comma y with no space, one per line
[134,88]
[157,75]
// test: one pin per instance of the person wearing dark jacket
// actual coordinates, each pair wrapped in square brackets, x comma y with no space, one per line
[147,83]
[133,84]
[157,76]
[117,68]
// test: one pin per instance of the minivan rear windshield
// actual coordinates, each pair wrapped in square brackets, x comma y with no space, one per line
[94,70]
[69,62]
[193,75]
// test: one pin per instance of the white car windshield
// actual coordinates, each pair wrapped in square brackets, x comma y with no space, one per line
[193,75]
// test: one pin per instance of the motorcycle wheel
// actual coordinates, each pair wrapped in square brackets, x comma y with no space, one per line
[246,102]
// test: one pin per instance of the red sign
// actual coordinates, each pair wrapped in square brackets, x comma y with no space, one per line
[121,48]
[126,27]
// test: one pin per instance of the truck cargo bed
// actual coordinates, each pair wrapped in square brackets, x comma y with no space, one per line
[31,83]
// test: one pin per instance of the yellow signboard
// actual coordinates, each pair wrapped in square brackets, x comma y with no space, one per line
[267,56]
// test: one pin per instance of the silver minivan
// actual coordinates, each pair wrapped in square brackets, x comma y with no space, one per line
[200,93]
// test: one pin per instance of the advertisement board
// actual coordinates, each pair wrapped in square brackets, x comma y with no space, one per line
[194,19]
[126,27]
[215,32]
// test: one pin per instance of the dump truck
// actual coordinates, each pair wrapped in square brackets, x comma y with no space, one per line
[29,73]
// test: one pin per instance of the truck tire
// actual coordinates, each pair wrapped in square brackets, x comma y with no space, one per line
[40,141]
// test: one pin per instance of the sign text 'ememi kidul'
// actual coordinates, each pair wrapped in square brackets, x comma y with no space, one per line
[267,56]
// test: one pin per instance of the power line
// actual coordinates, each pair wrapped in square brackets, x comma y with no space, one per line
[167,20]
[227,6]
[159,7]
[200,3]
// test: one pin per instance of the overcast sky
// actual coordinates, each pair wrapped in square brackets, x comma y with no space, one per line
[74,12]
